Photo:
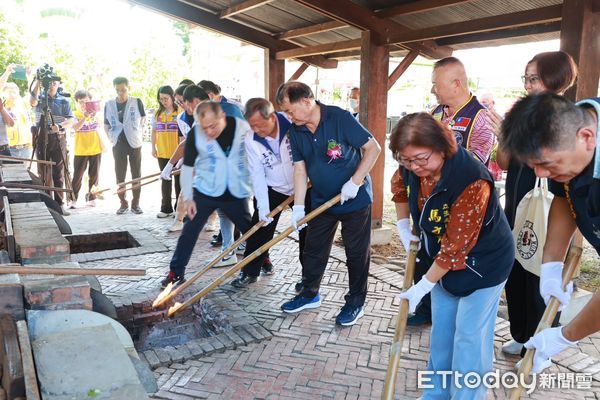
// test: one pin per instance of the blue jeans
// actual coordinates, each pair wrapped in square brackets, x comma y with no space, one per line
[462,340]
[23,152]
[227,229]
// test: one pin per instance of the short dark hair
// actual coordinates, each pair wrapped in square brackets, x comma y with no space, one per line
[186,82]
[258,104]
[421,129]
[294,91]
[180,89]
[538,122]
[192,92]
[210,87]
[208,106]
[81,94]
[119,80]
[556,69]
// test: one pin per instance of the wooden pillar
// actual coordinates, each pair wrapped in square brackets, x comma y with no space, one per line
[579,33]
[374,66]
[274,75]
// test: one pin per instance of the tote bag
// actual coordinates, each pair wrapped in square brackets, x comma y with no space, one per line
[531,223]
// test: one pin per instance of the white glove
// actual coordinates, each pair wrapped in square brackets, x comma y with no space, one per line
[263,215]
[416,293]
[547,343]
[179,163]
[551,284]
[406,236]
[349,191]
[297,215]
[166,172]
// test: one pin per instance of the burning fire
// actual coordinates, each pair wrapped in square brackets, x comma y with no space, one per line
[173,309]
[162,295]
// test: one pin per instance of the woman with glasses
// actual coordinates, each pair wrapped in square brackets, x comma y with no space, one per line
[165,140]
[467,244]
[553,72]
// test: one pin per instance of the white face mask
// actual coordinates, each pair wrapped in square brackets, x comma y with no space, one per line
[353,103]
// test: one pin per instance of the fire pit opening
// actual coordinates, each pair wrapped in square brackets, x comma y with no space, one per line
[104,241]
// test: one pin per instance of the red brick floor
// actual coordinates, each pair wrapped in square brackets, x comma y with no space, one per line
[308,357]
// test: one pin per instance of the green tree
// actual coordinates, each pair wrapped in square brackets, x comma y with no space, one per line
[13,49]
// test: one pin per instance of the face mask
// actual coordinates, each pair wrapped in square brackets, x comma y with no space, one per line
[353,103]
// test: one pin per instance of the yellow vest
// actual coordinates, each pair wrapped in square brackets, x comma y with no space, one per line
[165,128]
[87,139]
[20,133]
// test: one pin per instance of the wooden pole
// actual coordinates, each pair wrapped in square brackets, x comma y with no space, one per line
[177,308]
[29,270]
[136,186]
[396,349]
[19,185]
[162,300]
[551,309]
[120,185]
[11,158]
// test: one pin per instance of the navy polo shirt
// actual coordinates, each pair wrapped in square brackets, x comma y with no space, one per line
[582,199]
[59,107]
[340,134]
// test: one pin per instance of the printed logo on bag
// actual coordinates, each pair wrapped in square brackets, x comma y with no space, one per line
[527,241]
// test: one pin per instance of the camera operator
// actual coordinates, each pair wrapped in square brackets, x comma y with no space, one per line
[55,147]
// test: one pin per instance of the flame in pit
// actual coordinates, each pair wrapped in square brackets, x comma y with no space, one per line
[162,295]
[174,308]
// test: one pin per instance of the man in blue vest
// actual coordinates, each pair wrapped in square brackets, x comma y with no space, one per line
[272,173]
[124,119]
[214,175]
[560,141]
[332,149]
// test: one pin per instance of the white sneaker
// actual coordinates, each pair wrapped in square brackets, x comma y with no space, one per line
[231,259]
[64,211]
[177,226]
[73,205]
[241,249]
[512,347]
[163,215]
[91,203]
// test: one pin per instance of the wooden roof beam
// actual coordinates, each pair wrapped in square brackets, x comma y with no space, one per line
[416,7]
[319,49]
[364,19]
[501,34]
[242,7]
[401,68]
[195,15]
[497,22]
[310,30]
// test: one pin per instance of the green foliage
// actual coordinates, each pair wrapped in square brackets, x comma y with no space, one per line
[182,30]
[13,49]
[60,12]
[149,72]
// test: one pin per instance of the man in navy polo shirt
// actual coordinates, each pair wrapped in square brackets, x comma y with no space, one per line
[334,151]
[559,140]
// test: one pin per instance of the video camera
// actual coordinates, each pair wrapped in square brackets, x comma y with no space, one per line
[46,75]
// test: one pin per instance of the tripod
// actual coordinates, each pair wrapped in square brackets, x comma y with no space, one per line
[45,145]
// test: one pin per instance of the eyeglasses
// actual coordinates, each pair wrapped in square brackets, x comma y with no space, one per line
[532,79]
[179,102]
[420,161]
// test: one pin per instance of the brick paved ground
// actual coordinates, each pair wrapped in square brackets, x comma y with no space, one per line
[308,356]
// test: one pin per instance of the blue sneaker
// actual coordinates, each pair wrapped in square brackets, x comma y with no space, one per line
[300,303]
[349,315]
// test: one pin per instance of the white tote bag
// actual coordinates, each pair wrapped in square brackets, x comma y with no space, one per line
[531,223]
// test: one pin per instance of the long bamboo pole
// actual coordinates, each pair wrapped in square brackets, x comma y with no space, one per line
[18,185]
[160,300]
[120,185]
[177,308]
[396,349]
[571,264]
[28,270]
[11,158]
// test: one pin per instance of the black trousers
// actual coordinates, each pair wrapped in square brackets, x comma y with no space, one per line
[524,303]
[266,233]
[421,267]
[123,152]
[356,234]
[166,204]
[80,163]
[236,210]
[55,150]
